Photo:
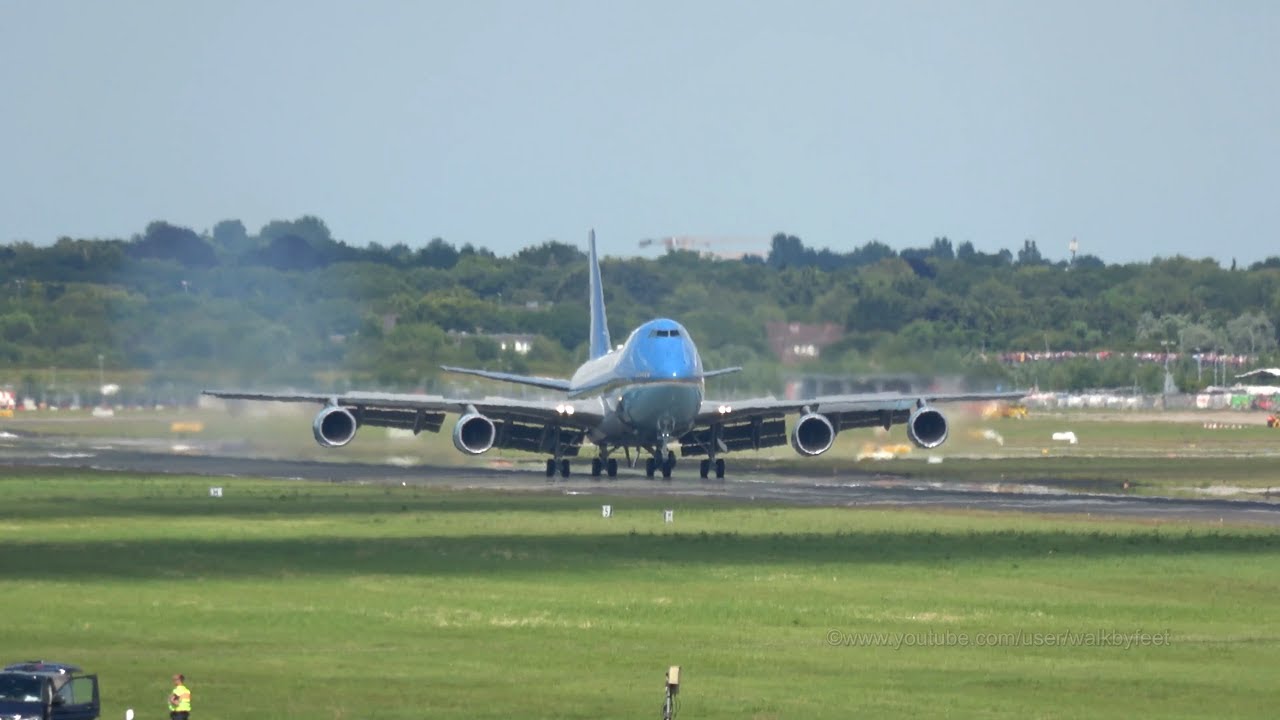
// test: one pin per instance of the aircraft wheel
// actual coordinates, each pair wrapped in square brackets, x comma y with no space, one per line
[720,469]
[596,466]
[551,468]
[611,467]
[650,467]
[564,468]
[704,469]
[668,466]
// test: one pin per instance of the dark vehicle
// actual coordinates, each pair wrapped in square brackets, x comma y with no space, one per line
[47,691]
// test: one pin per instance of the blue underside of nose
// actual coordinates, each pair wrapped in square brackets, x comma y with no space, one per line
[658,408]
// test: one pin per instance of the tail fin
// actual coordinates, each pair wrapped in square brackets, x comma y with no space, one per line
[599,339]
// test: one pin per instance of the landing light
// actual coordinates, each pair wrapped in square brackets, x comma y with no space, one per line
[724,409]
[564,409]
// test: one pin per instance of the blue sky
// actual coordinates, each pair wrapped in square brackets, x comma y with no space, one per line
[1140,128]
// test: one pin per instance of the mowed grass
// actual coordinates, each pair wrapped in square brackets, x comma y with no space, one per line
[1247,478]
[291,599]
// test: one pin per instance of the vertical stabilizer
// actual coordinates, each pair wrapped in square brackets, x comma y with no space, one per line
[599,340]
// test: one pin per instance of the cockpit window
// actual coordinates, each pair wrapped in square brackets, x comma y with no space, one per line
[665,333]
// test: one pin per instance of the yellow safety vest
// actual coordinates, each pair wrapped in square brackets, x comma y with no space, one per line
[184,699]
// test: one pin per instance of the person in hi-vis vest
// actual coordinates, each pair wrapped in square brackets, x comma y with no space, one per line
[179,699]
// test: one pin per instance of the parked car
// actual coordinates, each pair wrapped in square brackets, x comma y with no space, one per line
[38,690]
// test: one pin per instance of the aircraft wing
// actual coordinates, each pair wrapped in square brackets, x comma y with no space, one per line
[520,424]
[761,422]
[722,371]
[535,380]
[849,408]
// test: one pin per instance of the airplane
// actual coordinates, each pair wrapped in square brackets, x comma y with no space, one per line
[647,393]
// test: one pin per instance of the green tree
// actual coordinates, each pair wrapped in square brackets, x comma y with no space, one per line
[231,237]
[17,327]
[163,241]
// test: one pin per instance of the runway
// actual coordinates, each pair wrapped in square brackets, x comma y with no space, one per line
[852,489]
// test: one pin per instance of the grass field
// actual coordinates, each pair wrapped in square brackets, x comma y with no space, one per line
[290,599]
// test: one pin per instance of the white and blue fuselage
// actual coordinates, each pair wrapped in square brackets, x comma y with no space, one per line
[651,386]
[650,390]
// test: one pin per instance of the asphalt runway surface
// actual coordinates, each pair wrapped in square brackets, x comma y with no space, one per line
[853,489]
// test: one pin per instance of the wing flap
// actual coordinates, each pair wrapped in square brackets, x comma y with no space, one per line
[415,420]
[748,434]
[851,419]
[537,438]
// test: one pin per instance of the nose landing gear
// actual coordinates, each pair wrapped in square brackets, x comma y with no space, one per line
[603,465]
[662,460]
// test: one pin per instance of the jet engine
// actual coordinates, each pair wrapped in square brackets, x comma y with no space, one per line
[927,428]
[334,427]
[474,434]
[813,434]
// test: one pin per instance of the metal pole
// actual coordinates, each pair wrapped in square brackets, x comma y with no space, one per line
[1164,383]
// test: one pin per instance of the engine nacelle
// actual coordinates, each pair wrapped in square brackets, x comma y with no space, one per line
[813,434]
[474,434]
[334,427]
[927,428]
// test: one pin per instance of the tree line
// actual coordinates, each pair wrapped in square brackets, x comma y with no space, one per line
[290,304]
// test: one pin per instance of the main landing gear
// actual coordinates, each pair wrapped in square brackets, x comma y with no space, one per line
[599,466]
[705,467]
[665,464]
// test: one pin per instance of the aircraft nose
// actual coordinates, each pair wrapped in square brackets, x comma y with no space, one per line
[669,360]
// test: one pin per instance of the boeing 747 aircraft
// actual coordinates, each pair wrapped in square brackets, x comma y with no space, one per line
[648,394]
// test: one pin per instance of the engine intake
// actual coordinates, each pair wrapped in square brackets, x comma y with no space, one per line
[927,428]
[474,434]
[334,427]
[813,434]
